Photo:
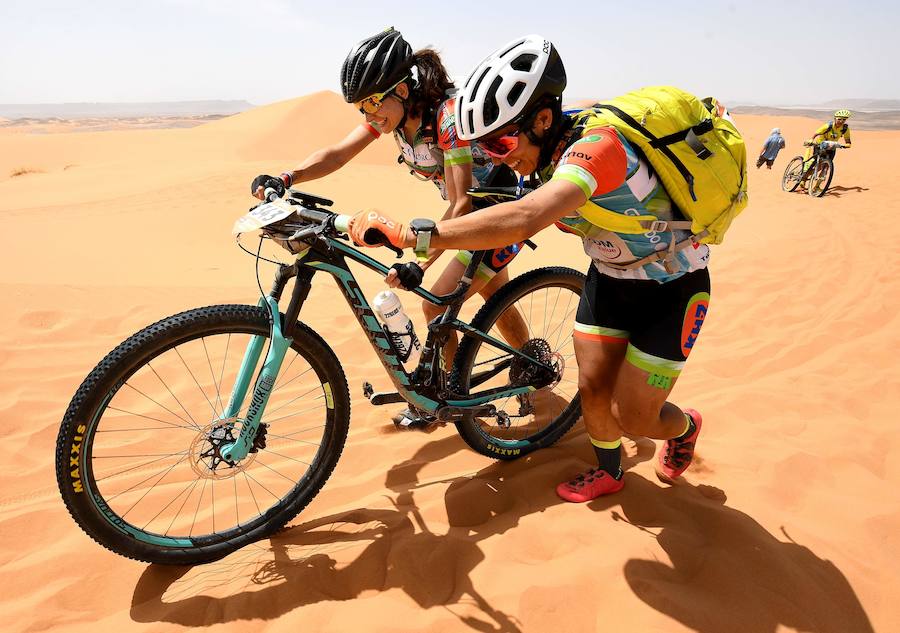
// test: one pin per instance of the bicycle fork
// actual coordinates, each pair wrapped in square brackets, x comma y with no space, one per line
[280,338]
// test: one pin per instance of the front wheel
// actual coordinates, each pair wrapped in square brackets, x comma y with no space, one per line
[793,173]
[542,304]
[137,459]
[820,179]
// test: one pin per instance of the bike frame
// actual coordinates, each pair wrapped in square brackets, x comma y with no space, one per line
[424,387]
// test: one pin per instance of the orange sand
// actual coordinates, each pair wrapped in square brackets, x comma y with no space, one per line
[789,521]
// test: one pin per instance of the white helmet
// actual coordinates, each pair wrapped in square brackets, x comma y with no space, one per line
[507,84]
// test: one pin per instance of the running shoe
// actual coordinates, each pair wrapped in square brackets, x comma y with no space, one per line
[589,485]
[676,456]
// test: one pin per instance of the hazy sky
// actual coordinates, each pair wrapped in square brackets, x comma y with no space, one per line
[772,52]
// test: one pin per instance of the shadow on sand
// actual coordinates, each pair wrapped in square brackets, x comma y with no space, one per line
[727,573]
[838,191]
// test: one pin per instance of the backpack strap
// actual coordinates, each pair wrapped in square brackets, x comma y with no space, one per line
[662,147]
[667,257]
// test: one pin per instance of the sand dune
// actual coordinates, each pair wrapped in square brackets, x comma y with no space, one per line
[789,520]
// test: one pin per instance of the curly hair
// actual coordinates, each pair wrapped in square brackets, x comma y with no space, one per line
[432,86]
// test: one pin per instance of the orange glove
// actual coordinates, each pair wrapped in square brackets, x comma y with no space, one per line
[367,226]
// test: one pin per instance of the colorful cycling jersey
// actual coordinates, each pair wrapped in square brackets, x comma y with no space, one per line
[828,133]
[432,148]
[606,167]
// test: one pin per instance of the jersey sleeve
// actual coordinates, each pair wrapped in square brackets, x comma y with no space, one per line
[597,162]
[820,133]
[456,151]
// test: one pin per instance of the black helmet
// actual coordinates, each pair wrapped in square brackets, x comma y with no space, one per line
[375,64]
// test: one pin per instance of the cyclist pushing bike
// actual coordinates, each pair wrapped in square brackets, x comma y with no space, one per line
[405,94]
[647,291]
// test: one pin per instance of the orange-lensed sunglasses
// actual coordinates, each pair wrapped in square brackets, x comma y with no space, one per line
[502,146]
[370,105]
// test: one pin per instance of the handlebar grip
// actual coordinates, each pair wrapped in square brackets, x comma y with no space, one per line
[313,215]
[270,194]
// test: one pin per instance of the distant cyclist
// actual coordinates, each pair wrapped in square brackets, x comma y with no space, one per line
[405,94]
[635,325]
[834,130]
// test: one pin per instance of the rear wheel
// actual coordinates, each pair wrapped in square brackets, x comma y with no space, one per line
[137,457]
[547,299]
[792,174]
[820,179]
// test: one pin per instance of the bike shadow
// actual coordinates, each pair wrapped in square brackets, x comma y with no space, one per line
[348,554]
[837,191]
[725,571]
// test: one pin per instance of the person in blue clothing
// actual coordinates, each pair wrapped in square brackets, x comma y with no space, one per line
[770,148]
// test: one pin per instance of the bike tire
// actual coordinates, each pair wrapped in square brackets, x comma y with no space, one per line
[510,444]
[826,165]
[85,486]
[792,174]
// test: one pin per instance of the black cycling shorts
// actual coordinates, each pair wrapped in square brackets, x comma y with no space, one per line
[660,323]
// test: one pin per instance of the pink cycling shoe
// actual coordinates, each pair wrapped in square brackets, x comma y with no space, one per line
[676,456]
[589,485]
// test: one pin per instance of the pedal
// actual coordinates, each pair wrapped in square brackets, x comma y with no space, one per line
[381,397]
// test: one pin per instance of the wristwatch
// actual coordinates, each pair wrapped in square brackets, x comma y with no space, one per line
[423,229]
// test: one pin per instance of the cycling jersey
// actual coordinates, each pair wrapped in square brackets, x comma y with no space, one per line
[828,133]
[435,145]
[612,175]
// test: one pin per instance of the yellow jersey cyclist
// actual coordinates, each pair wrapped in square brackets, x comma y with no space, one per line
[834,130]
[405,94]
[634,327]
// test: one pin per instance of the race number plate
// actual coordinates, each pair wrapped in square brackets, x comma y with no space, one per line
[263,215]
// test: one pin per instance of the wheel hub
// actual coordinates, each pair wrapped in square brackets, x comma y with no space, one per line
[205,452]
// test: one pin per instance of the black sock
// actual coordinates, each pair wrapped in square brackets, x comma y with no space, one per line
[692,426]
[609,455]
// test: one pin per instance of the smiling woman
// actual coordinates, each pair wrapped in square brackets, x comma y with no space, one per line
[645,298]
[405,94]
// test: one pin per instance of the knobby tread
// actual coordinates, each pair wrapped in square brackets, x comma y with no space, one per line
[131,354]
[484,320]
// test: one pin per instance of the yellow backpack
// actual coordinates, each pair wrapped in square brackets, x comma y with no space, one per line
[696,151]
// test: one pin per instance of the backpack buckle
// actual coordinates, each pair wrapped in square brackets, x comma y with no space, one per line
[659,226]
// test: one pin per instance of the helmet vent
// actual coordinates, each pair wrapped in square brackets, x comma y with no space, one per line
[515,92]
[515,44]
[478,81]
[524,62]
[491,108]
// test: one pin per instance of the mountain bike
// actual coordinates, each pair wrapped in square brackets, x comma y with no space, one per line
[213,428]
[816,172]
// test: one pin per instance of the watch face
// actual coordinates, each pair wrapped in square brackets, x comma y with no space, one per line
[422,224]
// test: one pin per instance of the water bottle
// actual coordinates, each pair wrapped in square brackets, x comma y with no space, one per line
[399,327]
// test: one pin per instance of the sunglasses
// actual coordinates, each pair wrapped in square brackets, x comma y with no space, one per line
[502,146]
[371,105]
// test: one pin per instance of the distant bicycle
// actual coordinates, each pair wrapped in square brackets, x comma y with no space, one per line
[817,171]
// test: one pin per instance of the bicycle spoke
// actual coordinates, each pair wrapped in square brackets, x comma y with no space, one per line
[132,387]
[174,396]
[196,382]
[212,375]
